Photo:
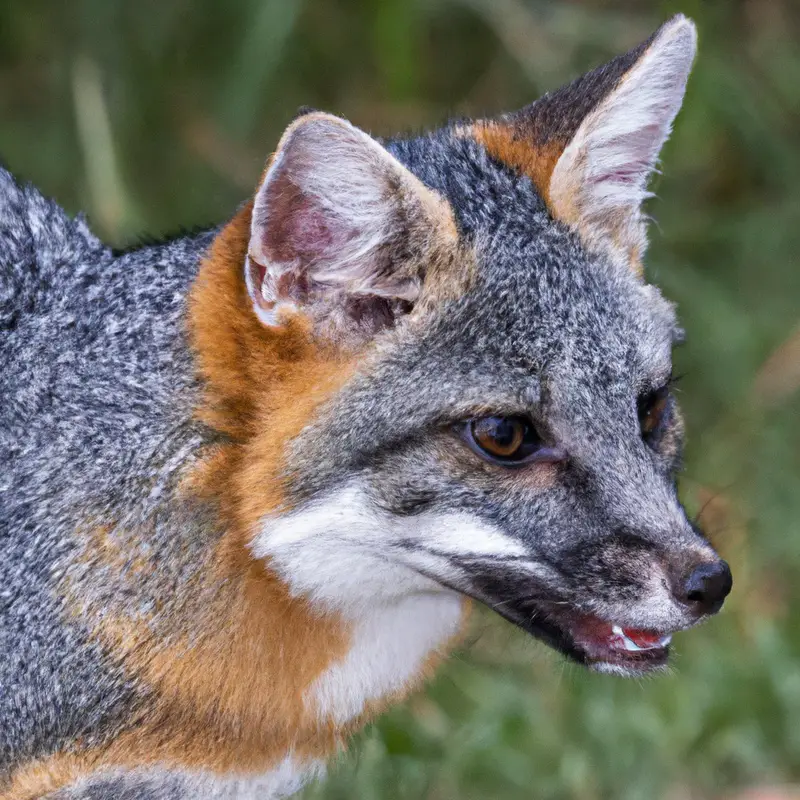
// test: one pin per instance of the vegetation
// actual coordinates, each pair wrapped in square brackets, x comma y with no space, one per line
[155,115]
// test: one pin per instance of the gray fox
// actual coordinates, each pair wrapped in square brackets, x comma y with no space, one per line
[252,479]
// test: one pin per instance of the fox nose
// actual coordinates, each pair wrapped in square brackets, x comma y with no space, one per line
[706,587]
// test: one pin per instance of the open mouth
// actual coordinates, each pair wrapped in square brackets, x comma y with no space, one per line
[597,643]
[604,646]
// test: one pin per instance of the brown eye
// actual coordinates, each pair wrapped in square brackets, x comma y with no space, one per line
[499,436]
[510,441]
[651,408]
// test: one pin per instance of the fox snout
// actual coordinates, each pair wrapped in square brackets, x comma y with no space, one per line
[613,601]
[649,582]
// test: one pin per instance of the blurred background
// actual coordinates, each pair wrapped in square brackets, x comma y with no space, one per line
[157,115]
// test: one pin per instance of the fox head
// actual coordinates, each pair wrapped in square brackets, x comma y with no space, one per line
[468,386]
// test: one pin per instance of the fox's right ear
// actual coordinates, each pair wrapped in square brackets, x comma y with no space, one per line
[591,147]
[341,231]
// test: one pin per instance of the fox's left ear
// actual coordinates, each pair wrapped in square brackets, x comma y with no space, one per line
[591,147]
[342,232]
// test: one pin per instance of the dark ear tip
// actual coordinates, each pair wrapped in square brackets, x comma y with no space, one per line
[304,111]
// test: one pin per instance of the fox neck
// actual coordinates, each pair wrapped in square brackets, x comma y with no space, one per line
[317,666]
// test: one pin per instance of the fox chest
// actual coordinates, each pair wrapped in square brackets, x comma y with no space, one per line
[392,648]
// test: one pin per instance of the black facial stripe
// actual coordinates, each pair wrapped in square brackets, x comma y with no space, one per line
[522,608]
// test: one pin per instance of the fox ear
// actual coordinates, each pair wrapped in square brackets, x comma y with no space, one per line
[592,146]
[341,231]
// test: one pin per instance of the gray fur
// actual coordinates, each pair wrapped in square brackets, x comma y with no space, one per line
[160,784]
[97,389]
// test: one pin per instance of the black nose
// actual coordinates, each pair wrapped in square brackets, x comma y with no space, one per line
[707,586]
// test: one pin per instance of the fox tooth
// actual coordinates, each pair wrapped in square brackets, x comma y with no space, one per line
[630,645]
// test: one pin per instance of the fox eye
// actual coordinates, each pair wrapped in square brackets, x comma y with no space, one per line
[651,408]
[510,441]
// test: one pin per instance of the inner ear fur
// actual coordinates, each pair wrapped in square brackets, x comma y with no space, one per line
[342,231]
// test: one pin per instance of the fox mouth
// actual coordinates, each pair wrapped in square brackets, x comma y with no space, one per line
[594,642]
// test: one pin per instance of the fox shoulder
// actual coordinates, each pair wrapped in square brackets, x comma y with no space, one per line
[37,240]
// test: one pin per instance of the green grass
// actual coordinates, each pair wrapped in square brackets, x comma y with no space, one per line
[155,115]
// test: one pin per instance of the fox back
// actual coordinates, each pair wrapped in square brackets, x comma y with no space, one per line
[252,479]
